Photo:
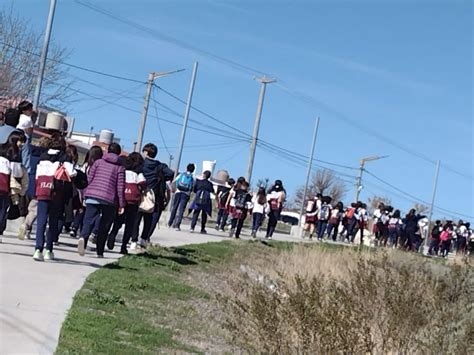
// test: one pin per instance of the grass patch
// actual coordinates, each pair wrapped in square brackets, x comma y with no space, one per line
[141,303]
[218,298]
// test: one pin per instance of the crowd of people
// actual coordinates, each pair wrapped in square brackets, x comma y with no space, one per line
[389,229]
[111,190]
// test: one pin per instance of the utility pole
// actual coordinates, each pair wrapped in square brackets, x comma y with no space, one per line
[253,146]
[361,171]
[308,174]
[141,131]
[149,86]
[435,187]
[186,117]
[44,53]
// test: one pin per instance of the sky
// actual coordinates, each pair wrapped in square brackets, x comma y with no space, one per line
[387,78]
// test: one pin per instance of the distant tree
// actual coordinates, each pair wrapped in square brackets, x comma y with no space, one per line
[324,182]
[19,63]
[375,201]
[265,182]
[421,208]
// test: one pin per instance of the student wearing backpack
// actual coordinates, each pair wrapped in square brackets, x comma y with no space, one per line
[462,234]
[203,189]
[435,238]
[54,170]
[324,214]
[394,228]
[241,203]
[184,183]
[311,215]
[351,222]
[259,209]
[135,185]
[335,220]
[157,174]
[223,193]
[362,217]
[276,197]
[104,197]
[13,176]
[445,237]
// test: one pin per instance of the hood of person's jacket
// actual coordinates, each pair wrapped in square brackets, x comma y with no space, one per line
[151,165]
[112,158]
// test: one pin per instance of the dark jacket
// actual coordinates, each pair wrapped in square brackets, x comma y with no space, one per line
[36,153]
[107,180]
[204,185]
[156,175]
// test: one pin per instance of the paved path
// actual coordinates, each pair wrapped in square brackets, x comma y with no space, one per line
[35,296]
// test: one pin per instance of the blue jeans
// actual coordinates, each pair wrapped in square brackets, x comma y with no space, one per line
[26,155]
[333,228]
[257,219]
[393,236]
[222,217]
[196,213]
[351,229]
[92,213]
[49,213]
[180,200]
[322,225]
[4,204]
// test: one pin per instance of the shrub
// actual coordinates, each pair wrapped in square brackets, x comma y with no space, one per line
[311,301]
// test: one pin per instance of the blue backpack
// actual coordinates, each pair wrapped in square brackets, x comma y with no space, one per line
[185,182]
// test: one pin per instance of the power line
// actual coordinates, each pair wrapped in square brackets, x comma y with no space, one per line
[163,37]
[159,125]
[98,72]
[415,197]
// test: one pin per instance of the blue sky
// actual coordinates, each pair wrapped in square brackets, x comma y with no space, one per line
[401,69]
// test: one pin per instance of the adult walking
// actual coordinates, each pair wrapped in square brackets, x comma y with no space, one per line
[104,196]
[156,175]
[202,202]
[276,197]
[184,187]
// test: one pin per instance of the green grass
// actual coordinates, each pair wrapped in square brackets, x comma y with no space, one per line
[138,304]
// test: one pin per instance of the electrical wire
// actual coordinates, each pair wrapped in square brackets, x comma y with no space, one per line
[415,198]
[166,38]
[159,125]
[74,66]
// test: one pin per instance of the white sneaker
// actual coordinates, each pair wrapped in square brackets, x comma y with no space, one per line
[81,246]
[49,255]
[38,255]
[133,246]
[22,232]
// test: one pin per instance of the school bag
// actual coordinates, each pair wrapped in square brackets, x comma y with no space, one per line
[185,182]
[240,200]
[444,236]
[147,203]
[274,205]
[350,212]
[436,233]
[203,198]
[324,212]
[223,198]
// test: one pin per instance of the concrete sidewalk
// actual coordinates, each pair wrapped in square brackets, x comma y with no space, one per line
[35,296]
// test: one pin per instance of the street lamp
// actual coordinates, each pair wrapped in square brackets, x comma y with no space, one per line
[151,79]
[359,178]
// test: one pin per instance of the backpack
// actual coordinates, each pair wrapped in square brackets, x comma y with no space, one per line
[160,190]
[444,235]
[185,182]
[224,197]
[147,204]
[324,212]
[435,234]
[240,200]
[274,205]
[203,198]
[350,212]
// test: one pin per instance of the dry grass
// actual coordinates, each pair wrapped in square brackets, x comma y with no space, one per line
[313,301]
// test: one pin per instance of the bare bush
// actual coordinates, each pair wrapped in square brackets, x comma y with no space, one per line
[19,62]
[324,182]
[350,302]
